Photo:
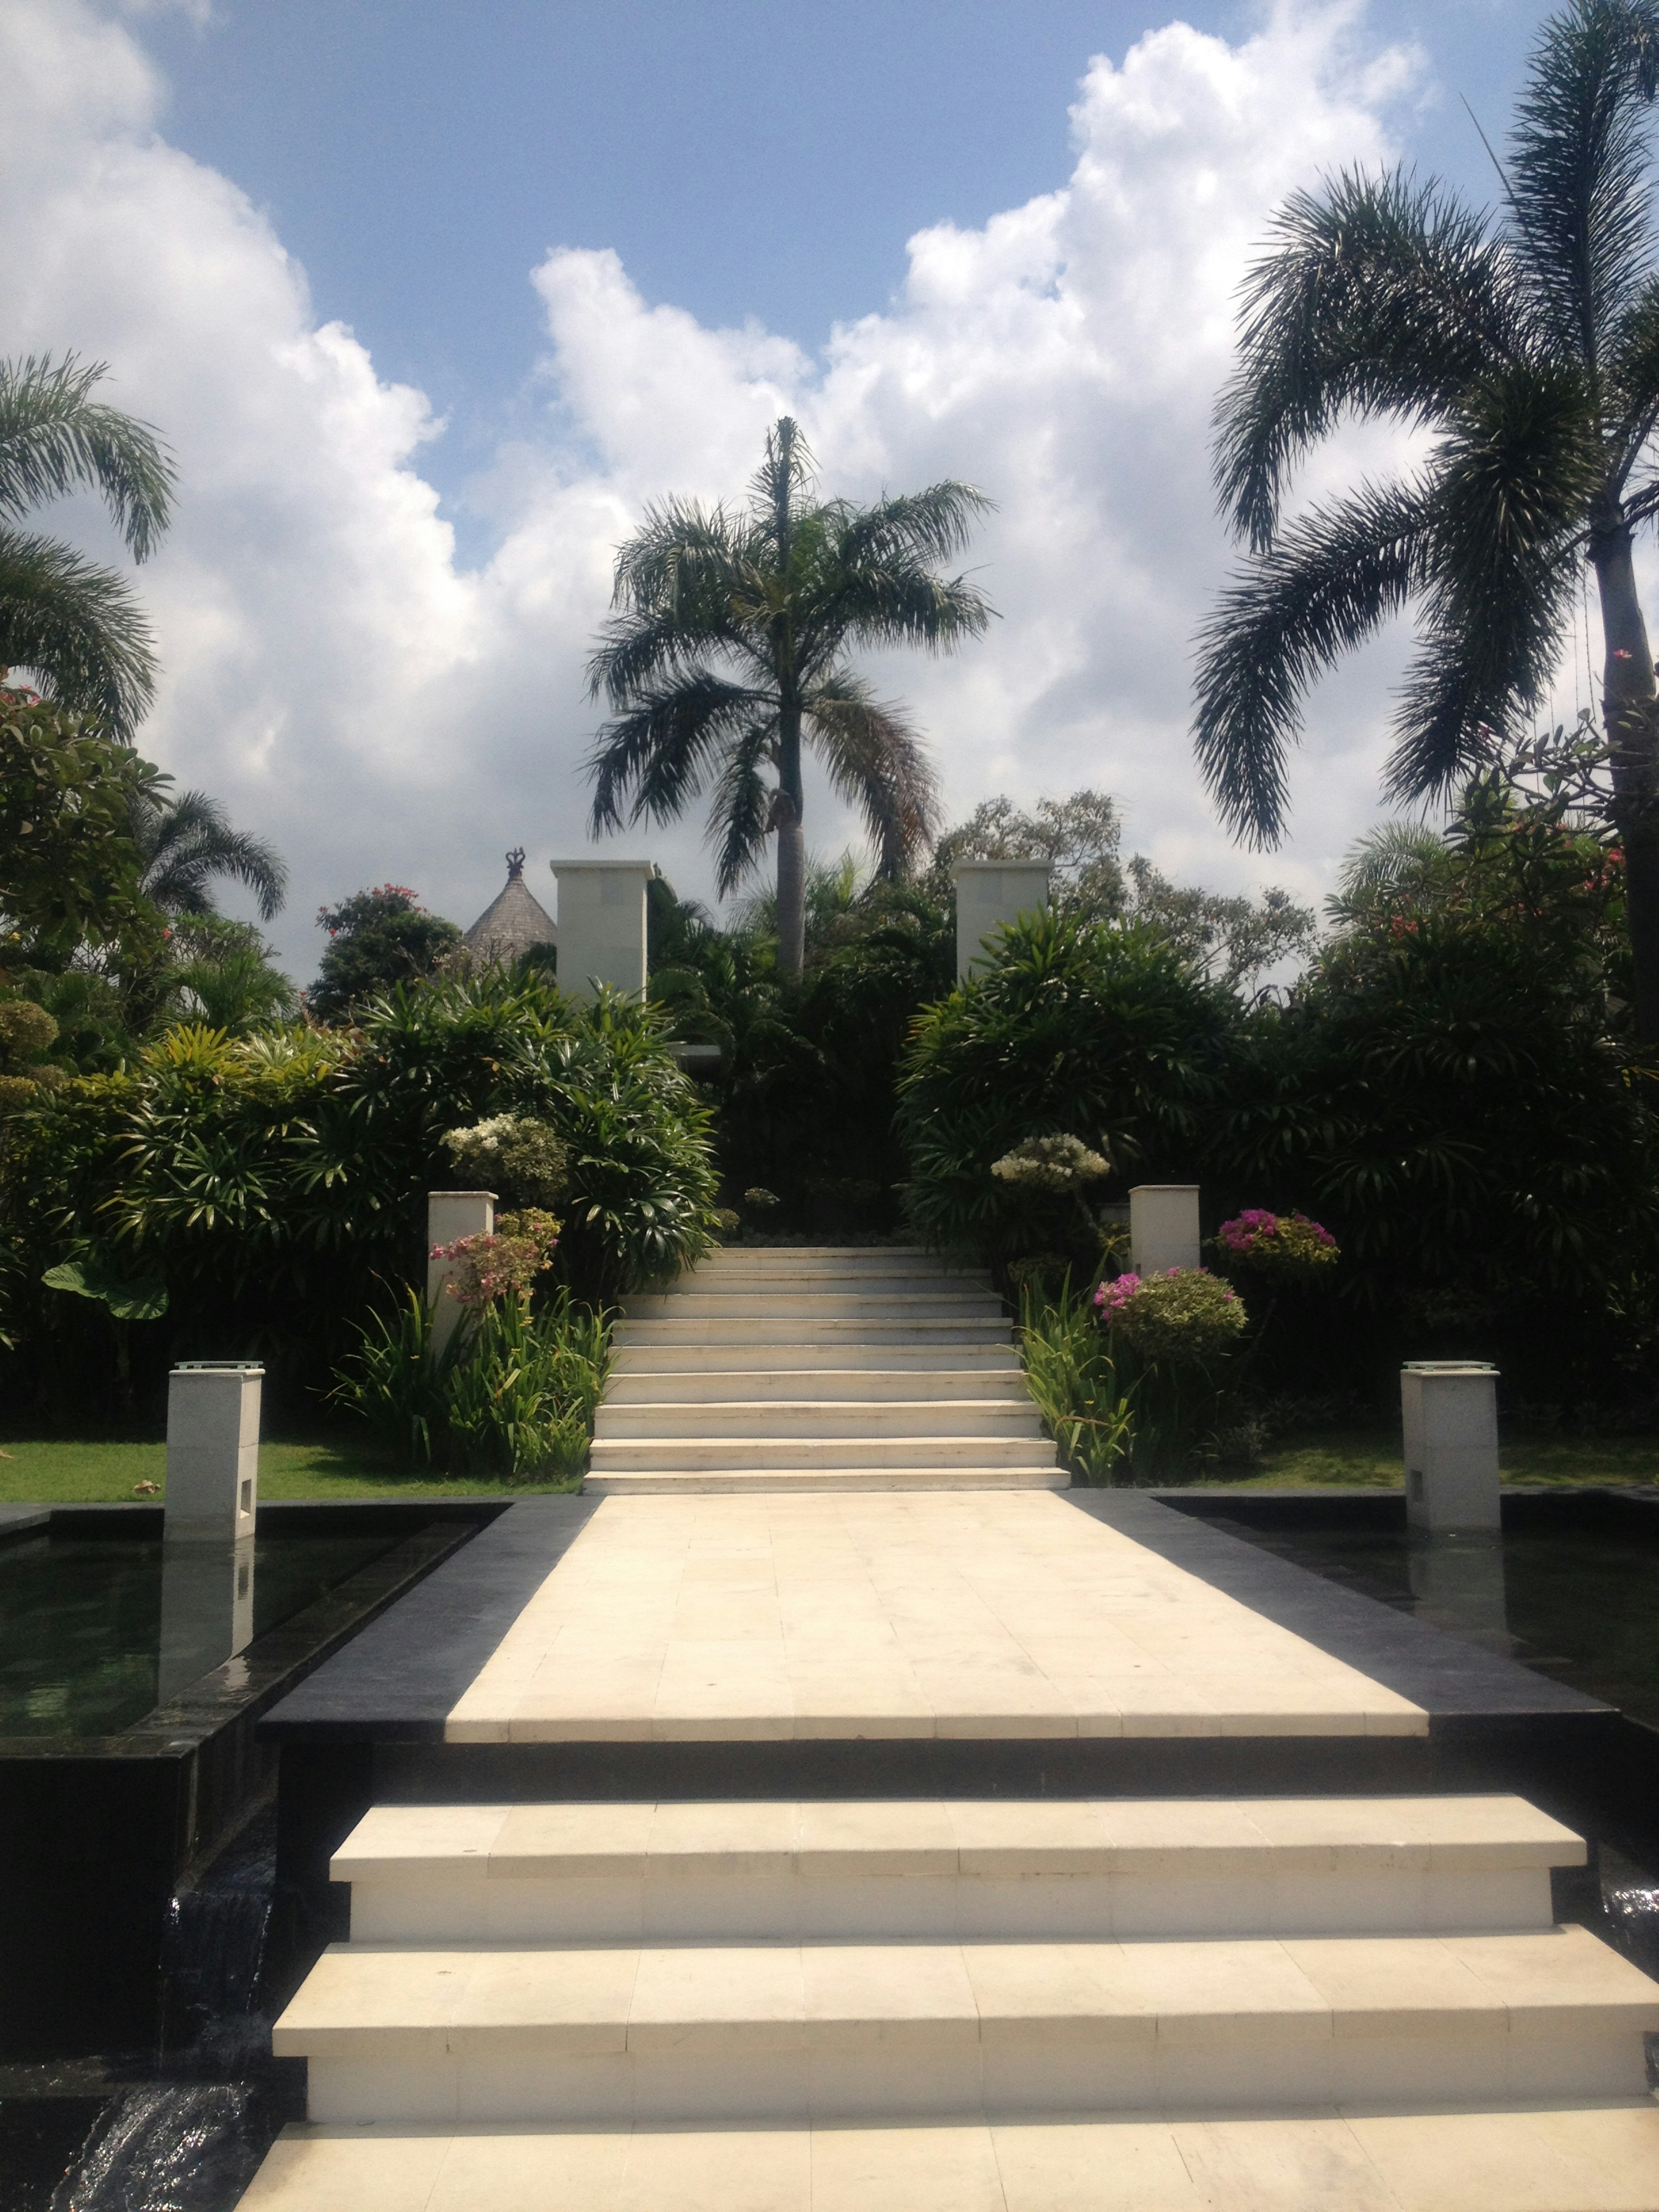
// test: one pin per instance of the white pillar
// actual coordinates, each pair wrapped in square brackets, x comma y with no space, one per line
[213,1451]
[1449,1411]
[990,894]
[1162,1227]
[451,1215]
[602,924]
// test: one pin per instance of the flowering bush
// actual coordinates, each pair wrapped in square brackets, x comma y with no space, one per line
[521,1159]
[1061,1164]
[1285,1247]
[1186,1318]
[504,1265]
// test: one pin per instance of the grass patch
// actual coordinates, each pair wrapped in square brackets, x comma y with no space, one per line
[1371,1460]
[103,1471]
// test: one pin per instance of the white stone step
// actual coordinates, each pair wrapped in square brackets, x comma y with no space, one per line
[813,1306]
[951,1868]
[785,1328]
[731,1482]
[660,1385]
[854,1361]
[799,1418]
[643,1455]
[1553,2156]
[797,2032]
[807,1258]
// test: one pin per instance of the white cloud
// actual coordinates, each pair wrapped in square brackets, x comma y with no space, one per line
[333,675]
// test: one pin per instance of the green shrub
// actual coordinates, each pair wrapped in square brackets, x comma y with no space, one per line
[1077,1026]
[514,1393]
[277,1182]
[522,1161]
[1071,1376]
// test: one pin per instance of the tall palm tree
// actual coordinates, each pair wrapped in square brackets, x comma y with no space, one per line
[187,842]
[777,591]
[73,624]
[1528,350]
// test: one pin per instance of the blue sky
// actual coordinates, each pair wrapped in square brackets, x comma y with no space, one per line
[747,159]
[431,299]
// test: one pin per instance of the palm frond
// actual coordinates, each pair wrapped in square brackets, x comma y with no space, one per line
[740,815]
[902,602]
[782,481]
[188,842]
[1578,187]
[1333,576]
[1631,382]
[55,439]
[648,762]
[934,525]
[875,760]
[1381,297]
[77,628]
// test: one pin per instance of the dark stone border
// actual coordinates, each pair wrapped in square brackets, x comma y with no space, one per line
[96,1831]
[400,1680]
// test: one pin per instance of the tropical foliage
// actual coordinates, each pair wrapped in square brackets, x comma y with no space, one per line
[378,940]
[277,1182]
[74,625]
[1528,350]
[777,594]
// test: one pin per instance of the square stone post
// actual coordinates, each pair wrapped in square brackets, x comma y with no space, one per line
[451,1215]
[990,894]
[602,924]
[1448,1412]
[1162,1227]
[213,1451]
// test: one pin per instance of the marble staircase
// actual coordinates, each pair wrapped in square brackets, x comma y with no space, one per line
[818,1368]
[1047,1993]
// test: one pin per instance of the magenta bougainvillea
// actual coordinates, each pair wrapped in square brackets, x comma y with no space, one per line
[1284,1247]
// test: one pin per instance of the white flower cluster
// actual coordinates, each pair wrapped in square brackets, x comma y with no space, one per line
[1059,1164]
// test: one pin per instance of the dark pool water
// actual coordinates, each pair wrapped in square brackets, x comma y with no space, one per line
[1580,1606]
[82,1621]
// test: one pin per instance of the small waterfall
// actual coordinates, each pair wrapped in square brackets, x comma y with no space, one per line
[1633,1918]
[161,2149]
[211,1957]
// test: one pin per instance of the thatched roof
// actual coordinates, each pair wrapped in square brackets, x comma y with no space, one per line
[513,922]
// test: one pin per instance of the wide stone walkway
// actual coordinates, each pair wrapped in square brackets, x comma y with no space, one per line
[774,1842]
[914,1614]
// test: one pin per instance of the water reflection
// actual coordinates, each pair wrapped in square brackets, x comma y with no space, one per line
[207,1609]
[1458,1584]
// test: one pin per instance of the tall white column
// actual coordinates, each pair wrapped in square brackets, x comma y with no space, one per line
[451,1215]
[1449,1413]
[602,924]
[990,894]
[213,1451]
[1162,1227]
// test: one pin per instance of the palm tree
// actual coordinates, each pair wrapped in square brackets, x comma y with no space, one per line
[73,624]
[1528,350]
[186,842]
[778,592]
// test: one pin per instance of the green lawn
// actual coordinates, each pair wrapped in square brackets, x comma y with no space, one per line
[66,1473]
[1350,1456]
[61,1472]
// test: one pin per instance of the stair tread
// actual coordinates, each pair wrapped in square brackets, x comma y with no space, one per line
[614,1997]
[1596,2155]
[943,1835]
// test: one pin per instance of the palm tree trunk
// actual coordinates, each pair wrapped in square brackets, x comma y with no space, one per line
[792,854]
[1630,707]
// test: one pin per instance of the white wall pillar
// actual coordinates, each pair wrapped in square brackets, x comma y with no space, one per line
[213,1451]
[990,894]
[1162,1227]
[1448,1412]
[602,924]
[451,1215]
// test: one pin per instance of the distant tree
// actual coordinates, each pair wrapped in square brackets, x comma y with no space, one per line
[778,592]
[1528,357]
[75,626]
[377,939]
[70,866]
[186,842]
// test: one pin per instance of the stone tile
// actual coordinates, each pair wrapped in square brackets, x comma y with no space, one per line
[942,2168]
[504,2169]
[388,2167]
[742,1998]
[1116,2165]
[688,2169]
[547,1840]
[907,1993]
